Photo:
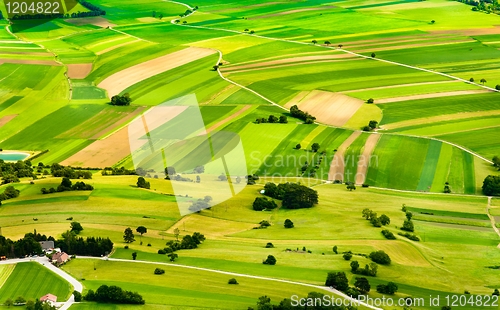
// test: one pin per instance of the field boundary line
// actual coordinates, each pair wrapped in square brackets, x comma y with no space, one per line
[323,288]
[127,34]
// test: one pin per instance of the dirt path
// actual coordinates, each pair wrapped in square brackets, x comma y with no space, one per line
[242,275]
[432,95]
[364,161]
[337,165]
[226,120]
[492,219]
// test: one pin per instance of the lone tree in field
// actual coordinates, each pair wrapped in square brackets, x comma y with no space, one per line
[270,260]
[216,67]
[141,230]
[335,249]
[134,255]
[340,45]
[288,223]
[314,41]
[483,81]
[177,232]
[76,227]
[121,100]
[373,55]
[315,147]
[298,146]
[128,235]
[471,80]
[497,87]
[350,186]
[327,43]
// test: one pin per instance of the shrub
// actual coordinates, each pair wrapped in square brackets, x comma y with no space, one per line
[160,251]
[159,271]
[408,226]
[380,257]
[347,256]
[232,281]
[270,260]
[370,100]
[410,236]
[388,235]
[77,295]
[269,245]
[389,288]
[125,247]
[288,223]
[262,203]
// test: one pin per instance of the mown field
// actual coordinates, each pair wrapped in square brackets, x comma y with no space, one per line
[32,281]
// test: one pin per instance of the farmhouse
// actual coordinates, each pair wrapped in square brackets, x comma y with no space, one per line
[60,258]
[47,246]
[49,298]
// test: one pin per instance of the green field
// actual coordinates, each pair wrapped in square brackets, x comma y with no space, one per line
[41,282]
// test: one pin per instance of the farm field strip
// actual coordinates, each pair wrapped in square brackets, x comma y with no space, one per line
[364,161]
[337,168]
[432,95]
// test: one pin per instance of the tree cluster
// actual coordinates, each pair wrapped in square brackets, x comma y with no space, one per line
[11,172]
[262,203]
[28,245]
[90,246]
[412,237]
[297,113]
[114,294]
[488,6]
[251,179]
[9,193]
[371,126]
[380,257]
[187,242]
[67,186]
[371,216]
[339,281]
[293,195]
[69,172]
[272,120]
[369,270]
[121,100]
[142,183]
[390,288]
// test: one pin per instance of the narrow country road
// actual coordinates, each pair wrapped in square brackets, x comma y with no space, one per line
[323,288]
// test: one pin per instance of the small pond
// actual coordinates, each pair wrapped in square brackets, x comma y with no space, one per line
[13,156]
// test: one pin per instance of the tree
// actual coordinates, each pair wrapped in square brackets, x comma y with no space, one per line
[121,100]
[373,55]
[272,119]
[483,81]
[347,256]
[76,227]
[30,305]
[337,280]
[169,171]
[354,266]
[9,303]
[335,249]
[173,256]
[264,303]
[315,147]
[491,185]
[177,232]
[471,80]
[497,87]
[350,186]
[408,215]
[262,203]
[270,260]
[385,220]
[380,257]
[232,281]
[362,284]
[496,292]
[433,21]
[327,43]
[298,146]
[142,230]
[288,223]
[373,124]
[408,226]
[340,45]
[128,235]
[77,295]
[134,255]
[314,41]
[389,288]
[159,271]
[371,100]
[283,119]
[298,196]
[141,182]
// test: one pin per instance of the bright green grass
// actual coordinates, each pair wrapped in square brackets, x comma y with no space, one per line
[351,157]
[448,127]
[485,146]
[41,282]
[457,214]
[364,115]
[392,170]
[179,286]
[88,92]
[406,110]
[443,166]
[430,166]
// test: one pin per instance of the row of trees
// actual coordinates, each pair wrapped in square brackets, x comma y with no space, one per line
[67,186]
[373,124]
[371,216]
[297,113]
[272,119]
[114,294]
[117,171]
[69,172]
